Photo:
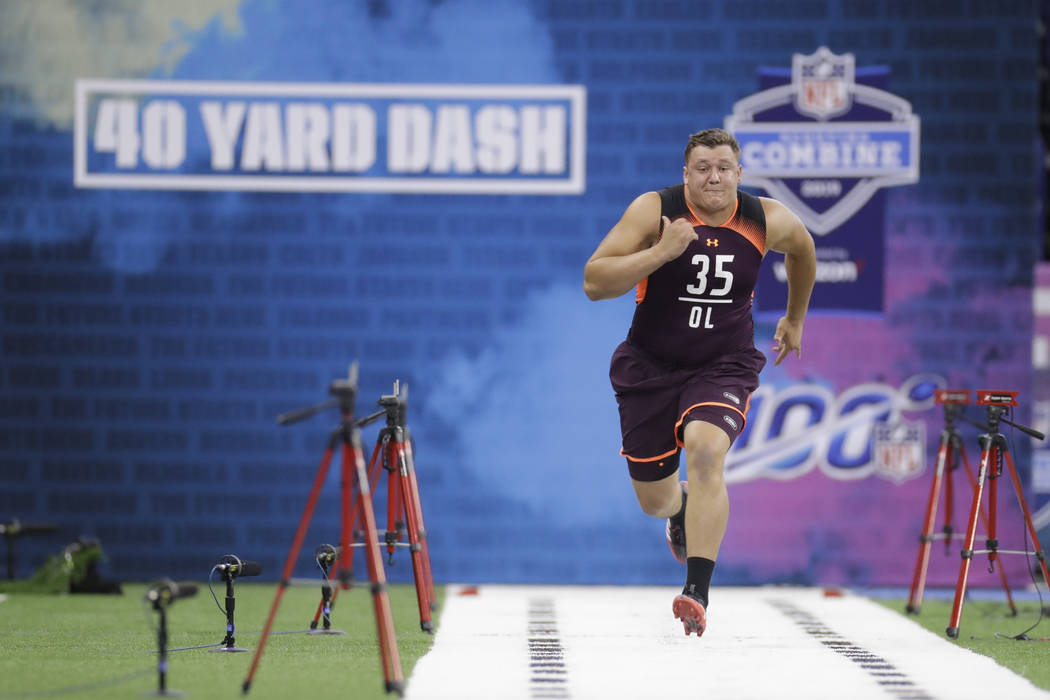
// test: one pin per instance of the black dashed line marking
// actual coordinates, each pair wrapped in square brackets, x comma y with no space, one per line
[547,671]
[884,673]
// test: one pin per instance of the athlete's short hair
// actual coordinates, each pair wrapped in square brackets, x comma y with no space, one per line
[712,138]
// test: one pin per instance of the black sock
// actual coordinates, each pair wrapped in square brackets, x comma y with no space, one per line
[698,578]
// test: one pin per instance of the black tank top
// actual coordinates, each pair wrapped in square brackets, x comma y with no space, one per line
[697,307]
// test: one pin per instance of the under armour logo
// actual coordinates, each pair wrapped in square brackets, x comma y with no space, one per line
[712,242]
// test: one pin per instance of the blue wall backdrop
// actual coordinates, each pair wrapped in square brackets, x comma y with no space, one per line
[149,336]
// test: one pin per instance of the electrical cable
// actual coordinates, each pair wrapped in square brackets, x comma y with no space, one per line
[212,591]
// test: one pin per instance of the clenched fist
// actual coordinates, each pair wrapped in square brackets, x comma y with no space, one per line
[675,238]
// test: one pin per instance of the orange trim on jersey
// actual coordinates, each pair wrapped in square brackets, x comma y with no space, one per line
[751,233]
[665,455]
[700,222]
[640,289]
[743,414]
[754,235]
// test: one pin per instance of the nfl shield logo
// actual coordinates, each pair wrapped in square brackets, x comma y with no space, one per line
[900,450]
[822,83]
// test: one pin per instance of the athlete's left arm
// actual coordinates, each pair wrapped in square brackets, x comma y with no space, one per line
[785,233]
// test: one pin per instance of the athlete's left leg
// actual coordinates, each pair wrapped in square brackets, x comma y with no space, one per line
[707,510]
[706,517]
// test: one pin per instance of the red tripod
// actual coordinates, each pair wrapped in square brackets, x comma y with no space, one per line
[950,448]
[393,452]
[348,436]
[993,453]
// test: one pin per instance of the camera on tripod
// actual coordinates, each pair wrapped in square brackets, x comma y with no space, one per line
[996,398]
[356,489]
[951,396]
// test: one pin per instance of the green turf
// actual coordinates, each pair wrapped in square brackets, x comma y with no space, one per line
[987,627]
[100,646]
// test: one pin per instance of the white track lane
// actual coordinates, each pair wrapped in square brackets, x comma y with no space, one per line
[608,643]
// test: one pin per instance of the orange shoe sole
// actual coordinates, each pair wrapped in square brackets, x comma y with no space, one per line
[691,613]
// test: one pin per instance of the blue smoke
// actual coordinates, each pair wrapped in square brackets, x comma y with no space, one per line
[543,425]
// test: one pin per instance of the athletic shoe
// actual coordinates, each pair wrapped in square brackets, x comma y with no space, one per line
[676,529]
[691,612]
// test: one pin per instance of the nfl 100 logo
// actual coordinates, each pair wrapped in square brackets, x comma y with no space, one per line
[824,138]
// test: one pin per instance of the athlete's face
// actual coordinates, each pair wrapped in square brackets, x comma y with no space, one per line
[711,178]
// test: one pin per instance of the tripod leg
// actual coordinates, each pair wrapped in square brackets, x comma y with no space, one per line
[948,529]
[1028,520]
[410,510]
[918,581]
[993,506]
[395,529]
[328,595]
[384,617]
[346,552]
[344,564]
[289,564]
[375,465]
[967,552]
[414,488]
[984,523]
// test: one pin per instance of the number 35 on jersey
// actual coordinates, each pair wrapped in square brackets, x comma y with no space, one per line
[713,282]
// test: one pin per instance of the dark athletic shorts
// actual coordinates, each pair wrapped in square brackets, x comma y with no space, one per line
[657,399]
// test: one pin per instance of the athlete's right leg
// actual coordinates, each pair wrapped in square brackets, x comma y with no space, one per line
[648,396]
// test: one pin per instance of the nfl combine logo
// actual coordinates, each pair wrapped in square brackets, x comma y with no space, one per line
[875,146]
[900,450]
[825,138]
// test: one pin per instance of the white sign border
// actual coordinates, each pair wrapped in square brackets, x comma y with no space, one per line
[575,94]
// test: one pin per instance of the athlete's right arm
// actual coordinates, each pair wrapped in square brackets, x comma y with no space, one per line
[634,248]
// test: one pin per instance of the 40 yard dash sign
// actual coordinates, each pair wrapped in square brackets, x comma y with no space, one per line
[330,137]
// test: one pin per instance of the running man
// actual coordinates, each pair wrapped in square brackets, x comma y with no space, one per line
[685,373]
